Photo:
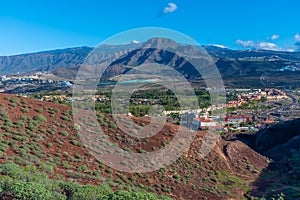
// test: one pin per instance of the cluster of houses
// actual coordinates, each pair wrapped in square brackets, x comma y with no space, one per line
[247,96]
[36,78]
[225,124]
[70,99]
[25,79]
[200,119]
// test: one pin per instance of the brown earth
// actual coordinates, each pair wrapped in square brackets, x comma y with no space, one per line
[227,172]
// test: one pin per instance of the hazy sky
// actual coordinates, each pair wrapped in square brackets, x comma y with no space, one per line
[35,25]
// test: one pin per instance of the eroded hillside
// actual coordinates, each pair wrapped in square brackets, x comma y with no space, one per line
[43,134]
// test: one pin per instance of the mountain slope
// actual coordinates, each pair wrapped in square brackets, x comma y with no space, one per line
[43,61]
[238,68]
[281,143]
[278,140]
[43,134]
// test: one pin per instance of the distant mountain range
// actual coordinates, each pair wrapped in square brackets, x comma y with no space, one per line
[237,67]
[43,61]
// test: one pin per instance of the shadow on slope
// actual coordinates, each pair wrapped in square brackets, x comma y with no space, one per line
[280,143]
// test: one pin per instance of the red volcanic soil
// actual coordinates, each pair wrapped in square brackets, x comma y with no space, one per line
[54,147]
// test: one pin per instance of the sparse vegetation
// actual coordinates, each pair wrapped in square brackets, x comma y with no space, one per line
[64,133]
[28,183]
[44,142]
[40,118]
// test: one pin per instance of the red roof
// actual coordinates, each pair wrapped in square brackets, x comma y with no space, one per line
[269,121]
[203,120]
[236,117]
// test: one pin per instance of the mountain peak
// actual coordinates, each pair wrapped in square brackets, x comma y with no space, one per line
[160,43]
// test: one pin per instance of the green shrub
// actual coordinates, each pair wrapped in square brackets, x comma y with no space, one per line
[19,124]
[20,138]
[58,141]
[69,188]
[11,170]
[40,118]
[42,130]
[25,110]
[46,167]
[66,118]
[12,104]
[76,127]
[64,133]
[102,166]
[10,142]
[131,195]
[66,165]
[26,190]
[3,147]
[82,167]
[112,125]
[27,183]
[13,100]
[76,143]
[104,124]
[78,156]
[25,118]
[23,101]
[8,123]
[39,110]
[91,192]
[176,176]
[53,111]
[50,131]
[6,128]
[100,115]
[31,126]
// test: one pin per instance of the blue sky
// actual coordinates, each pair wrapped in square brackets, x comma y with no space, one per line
[36,25]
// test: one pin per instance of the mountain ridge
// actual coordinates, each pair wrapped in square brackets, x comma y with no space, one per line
[249,65]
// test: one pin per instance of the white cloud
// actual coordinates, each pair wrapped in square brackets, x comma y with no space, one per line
[258,45]
[290,50]
[219,45]
[265,45]
[268,46]
[297,37]
[245,44]
[172,7]
[275,37]
[135,42]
